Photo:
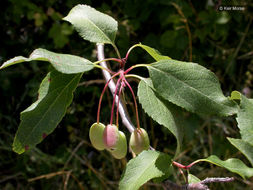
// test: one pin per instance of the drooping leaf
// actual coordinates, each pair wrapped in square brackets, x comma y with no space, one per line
[234,165]
[245,123]
[244,147]
[245,119]
[93,25]
[161,111]
[42,117]
[147,165]
[190,86]
[153,52]
[64,63]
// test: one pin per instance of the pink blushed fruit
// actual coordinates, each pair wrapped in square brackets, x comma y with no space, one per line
[111,136]
[120,150]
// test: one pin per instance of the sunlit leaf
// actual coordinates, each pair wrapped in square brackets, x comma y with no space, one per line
[153,52]
[190,86]
[93,25]
[234,165]
[64,63]
[147,165]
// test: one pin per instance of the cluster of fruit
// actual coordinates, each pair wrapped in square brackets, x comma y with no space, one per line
[110,138]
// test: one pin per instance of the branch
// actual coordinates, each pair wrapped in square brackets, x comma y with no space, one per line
[122,111]
[196,186]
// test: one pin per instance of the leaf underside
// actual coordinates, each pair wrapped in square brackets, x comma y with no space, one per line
[245,147]
[190,86]
[245,119]
[63,63]
[92,25]
[147,165]
[245,124]
[153,52]
[42,117]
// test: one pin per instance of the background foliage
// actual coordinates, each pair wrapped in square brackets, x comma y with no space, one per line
[219,40]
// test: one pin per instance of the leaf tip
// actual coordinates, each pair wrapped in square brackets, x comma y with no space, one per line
[18,150]
[65,18]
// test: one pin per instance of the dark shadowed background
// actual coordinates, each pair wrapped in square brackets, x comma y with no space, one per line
[187,30]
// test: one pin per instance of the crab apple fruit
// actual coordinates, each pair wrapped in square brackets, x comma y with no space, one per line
[120,150]
[96,136]
[139,141]
[111,136]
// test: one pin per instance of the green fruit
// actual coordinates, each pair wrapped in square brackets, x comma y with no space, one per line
[139,141]
[96,136]
[120,150]
[111,137]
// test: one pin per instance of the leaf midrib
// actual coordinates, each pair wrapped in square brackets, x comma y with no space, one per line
[199,92]
[225,165]
[47,110]
[160,111]
[85,18]
[51,61]
[151,163]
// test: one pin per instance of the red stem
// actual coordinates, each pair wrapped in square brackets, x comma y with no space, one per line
[183,166]
[117,113]
[135,103]
[114,97]
[129,69]
[102,94]
[115,59]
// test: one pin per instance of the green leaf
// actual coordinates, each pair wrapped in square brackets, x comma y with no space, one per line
[42,117]
[64,63]
[244,147]
[234,165]
[93,25]
[190,86]
[153,52]
[192,179]
[235,95]
[147,165]
[245,123]
[159,110]
[245,119]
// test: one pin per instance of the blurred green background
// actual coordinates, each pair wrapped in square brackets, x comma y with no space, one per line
[186,30]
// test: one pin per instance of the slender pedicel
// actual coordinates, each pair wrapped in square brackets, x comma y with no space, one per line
[101,96]
[135,66]
[135,103]
[114,96]
[183,166]
[120,90]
